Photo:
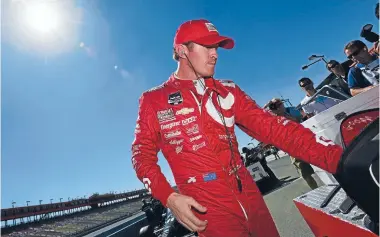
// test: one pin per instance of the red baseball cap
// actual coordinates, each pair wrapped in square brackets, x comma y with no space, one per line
[201,32]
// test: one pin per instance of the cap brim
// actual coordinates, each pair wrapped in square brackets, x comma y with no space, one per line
[222,41]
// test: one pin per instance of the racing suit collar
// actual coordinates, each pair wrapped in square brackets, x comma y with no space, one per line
[210,83]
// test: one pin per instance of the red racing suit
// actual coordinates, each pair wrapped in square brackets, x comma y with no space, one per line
[194,129]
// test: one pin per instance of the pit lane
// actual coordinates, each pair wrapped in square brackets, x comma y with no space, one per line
[287,218]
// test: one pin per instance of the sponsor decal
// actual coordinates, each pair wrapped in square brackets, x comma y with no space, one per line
[172,134]
[134,163]
[195,138]
[225,104]
[199,146]
[175,98]
[225,137]
[191,180]
[209,177]
[324,141]
[365,119]
[210,27]
[189,120]
[193,130]
[165,115]
[137,129]
[175,142]
[170,125]
[282,120]
[178,149]
[228,83]
[184,111]
[136,147]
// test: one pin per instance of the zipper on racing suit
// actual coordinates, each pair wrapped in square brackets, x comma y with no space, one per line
[199,103]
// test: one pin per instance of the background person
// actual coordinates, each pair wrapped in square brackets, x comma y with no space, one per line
[365,74]
[304,169]
[319,103]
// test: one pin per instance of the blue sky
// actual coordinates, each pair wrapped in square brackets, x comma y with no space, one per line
[68,115]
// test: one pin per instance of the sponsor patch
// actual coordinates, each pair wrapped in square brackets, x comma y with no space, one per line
[189,120]
[193,130]
[199,146]
[324,141]
[134,163]
[175,142]
[170,125]
[136,147]
[184,111]
[175,98]
[228,83]
[172,134]
[195,138]
[191,180]
[165,115]
[225,137]
[209,177]
[210,27]
[137,129]
[178,149]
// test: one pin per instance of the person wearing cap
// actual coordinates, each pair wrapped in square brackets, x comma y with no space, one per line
[314,105]
[190,118]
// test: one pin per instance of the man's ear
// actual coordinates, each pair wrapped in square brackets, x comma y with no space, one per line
[181,50]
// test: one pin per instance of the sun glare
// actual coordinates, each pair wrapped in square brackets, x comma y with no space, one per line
[42,17]
[45,26]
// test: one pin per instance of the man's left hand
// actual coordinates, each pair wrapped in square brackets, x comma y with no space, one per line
[278,109]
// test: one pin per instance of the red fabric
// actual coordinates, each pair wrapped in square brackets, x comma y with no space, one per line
[326,224]
[193,140]
[354,124]
[201,32]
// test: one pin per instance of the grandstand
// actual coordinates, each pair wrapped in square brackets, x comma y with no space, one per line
[78,223]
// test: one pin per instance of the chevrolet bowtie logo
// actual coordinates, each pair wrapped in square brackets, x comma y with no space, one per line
[184,111]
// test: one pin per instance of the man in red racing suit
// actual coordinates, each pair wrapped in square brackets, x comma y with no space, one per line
[192,122]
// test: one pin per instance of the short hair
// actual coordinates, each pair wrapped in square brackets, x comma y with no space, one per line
[304,80]
[244,149]
[377,11]
[190,45]
[332,61]
[355,43]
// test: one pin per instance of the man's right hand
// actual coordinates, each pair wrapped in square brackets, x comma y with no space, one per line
[181,206]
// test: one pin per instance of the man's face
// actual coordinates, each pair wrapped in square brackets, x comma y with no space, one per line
[281,108]
[336,68]
[306,86]
[358,55]
[203,59]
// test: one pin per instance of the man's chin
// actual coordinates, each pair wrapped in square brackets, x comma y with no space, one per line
[208,74]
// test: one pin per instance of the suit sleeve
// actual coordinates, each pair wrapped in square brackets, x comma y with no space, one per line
[287,135]
[144,153]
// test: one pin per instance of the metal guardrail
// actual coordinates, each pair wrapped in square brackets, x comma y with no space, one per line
[103,225]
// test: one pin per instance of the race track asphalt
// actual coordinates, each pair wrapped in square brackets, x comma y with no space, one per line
[288,220]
